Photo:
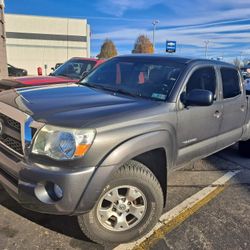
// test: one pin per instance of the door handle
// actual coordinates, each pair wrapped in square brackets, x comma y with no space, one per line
[242,108]
[217,114]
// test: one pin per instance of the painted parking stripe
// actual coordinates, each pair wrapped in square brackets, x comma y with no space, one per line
[180,213]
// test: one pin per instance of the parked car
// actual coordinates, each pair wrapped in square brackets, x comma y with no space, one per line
[13,71]
[71,71]
[57,66]
[245,71]
[102,149]
[247,83]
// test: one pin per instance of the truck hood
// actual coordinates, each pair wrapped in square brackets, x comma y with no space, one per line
[74,105]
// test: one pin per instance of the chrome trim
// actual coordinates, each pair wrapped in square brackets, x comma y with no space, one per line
[12,150]
[25,121]
[27,131]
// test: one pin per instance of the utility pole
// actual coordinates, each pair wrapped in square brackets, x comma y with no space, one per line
[206,47]
[241,56]
[3,53]
[155,22]
[222,57]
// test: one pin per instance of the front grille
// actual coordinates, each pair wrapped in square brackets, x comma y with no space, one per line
[11,123]
[12,143]
[11,135]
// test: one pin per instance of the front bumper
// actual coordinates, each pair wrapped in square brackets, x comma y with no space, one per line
[27,183]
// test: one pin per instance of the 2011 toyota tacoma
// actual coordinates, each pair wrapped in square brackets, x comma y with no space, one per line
[102,149]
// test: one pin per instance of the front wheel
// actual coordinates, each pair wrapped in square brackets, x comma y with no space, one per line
[128,208]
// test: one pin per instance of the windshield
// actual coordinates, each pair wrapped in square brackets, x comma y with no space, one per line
[74,68]
[147,78]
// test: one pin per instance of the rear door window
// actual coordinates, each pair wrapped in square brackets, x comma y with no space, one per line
[230,83]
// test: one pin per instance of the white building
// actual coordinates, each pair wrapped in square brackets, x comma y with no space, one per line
[35,41]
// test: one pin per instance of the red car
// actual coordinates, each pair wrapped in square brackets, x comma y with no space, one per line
[71,71]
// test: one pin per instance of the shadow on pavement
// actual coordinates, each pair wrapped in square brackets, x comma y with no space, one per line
[228,159]
[65,225]
[62,224]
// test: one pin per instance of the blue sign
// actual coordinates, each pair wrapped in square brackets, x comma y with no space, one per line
[171,47]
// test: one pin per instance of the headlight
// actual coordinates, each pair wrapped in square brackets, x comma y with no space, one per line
[63,143]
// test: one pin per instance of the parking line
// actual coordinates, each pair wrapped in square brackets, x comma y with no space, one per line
[180,213]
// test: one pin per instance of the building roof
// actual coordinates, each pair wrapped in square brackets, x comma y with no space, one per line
[40,16]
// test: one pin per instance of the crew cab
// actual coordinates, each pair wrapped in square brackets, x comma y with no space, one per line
[101,150]
[71,71]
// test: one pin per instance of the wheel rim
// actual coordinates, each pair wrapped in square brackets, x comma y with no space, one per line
[121,208]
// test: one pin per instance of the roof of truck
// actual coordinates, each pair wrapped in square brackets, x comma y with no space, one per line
[177,59]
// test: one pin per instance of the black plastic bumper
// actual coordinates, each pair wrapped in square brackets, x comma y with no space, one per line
[28,184]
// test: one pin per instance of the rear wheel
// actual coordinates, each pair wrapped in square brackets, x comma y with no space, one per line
[244,148]
[128,208]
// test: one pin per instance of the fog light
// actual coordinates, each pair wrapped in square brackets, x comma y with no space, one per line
[48,192]
[58,191]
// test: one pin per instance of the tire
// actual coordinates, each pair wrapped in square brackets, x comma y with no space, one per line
[134,178]
[244,148]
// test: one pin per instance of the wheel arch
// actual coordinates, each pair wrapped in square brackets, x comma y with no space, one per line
[140,148]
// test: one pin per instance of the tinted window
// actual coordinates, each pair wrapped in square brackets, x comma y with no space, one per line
[203,78]
[230,82]
[136,76]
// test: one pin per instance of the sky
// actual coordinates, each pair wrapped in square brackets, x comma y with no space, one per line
[224,23]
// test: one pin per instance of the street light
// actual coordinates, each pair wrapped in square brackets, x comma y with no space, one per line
[155,22]
[206,47]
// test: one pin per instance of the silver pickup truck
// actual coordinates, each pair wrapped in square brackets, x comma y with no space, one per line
[102,149]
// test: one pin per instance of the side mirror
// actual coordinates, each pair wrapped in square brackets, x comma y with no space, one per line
[53,69]
[197,97]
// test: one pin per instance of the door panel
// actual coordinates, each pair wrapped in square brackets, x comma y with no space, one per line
[198,127]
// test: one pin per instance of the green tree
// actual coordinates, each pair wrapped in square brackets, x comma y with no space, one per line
[108,49]
[143,45]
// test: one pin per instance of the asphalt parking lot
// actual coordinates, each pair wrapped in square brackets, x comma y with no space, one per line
[220,220]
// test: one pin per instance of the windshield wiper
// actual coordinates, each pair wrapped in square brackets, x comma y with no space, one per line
[98,86]
[126,92]
[62,75]
[137,95]
[115,90]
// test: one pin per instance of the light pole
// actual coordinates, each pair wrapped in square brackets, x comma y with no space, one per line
[206,47]
[241,56]
[155,22]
